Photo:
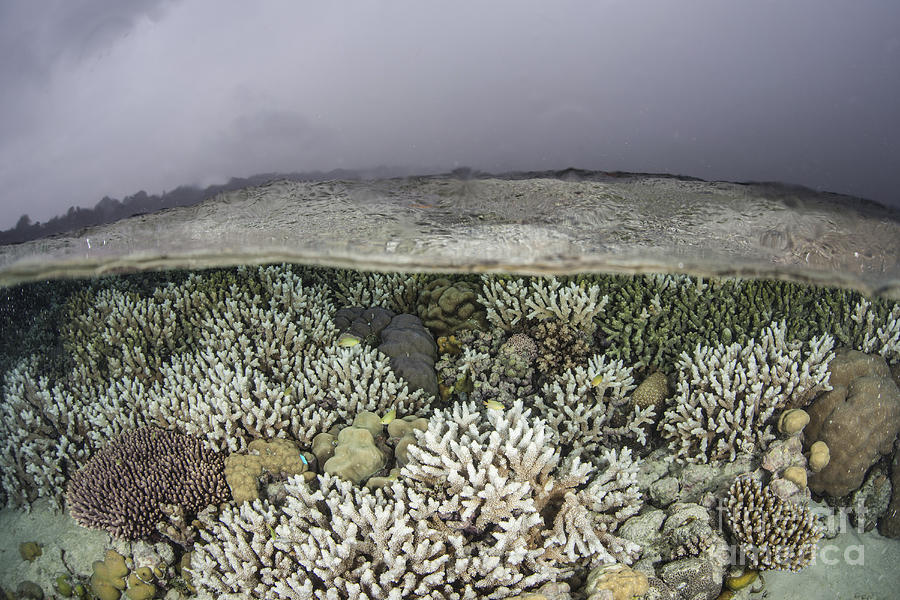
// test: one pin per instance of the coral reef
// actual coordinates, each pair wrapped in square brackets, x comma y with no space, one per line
[276,458]
[480,499]
[409,345]
[121,488]
[727,396]
[484,509]
[858,420]
[772,533]
[588,406]
[447,306]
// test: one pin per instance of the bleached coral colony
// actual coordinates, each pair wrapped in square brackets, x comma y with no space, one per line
[561,454]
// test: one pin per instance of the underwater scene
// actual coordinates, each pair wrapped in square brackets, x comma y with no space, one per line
[293,431]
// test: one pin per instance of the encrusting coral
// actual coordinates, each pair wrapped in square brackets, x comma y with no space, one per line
[484,509]
[728,395]
[278,458]
[772,533]
[122,488]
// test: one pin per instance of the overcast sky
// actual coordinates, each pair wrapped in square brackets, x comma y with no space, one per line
[108,98]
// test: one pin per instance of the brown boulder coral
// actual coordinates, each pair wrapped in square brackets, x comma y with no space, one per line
[124,487]
[858,420]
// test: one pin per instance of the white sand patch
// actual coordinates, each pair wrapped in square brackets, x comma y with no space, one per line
[851,566]
[66,546]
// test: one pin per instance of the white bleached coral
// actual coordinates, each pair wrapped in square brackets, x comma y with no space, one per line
[511,302]
[727,396]
[589,406]
[228,356]
[874,337]
[486,508]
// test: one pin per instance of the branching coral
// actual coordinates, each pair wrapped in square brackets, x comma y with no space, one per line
[512,302]
[588,406]
[124,487]
[485,508]
[727,396]
[229,356]
[772,533]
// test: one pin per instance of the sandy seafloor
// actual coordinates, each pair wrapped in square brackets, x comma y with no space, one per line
[854,566]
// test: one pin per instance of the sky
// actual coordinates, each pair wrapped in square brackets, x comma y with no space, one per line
[104,98]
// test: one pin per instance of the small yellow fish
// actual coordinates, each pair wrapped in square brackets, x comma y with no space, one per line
[389,416]
[348,341]
[597,380]
[494,405]
[394,476]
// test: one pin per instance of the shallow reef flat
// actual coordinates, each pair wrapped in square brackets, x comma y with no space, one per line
[287,431]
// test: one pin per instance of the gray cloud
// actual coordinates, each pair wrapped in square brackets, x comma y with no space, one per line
[107,98]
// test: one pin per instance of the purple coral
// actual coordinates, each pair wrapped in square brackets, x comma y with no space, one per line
[123,487]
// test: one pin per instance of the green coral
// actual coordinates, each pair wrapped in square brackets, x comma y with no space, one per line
[651,319]
[449,305]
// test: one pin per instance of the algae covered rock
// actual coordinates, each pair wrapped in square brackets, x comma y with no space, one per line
[446,307]
[30,551]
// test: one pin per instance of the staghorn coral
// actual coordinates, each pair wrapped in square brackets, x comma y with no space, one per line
[397,292]
[727,396]
[650,320]
[588,406]
[123,487]
[512,303]
[772,533]
[483,509]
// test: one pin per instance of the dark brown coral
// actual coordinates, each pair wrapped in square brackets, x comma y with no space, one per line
[125,487]
[772,533]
